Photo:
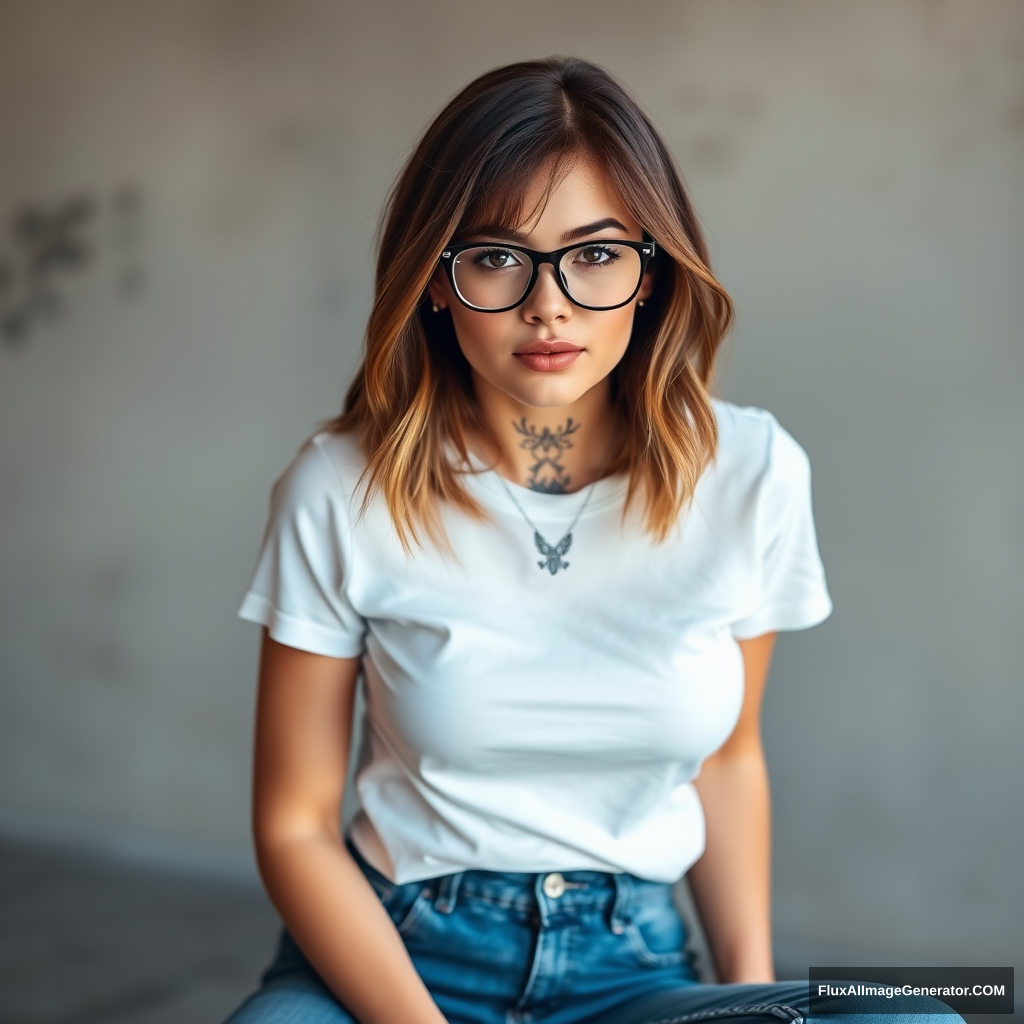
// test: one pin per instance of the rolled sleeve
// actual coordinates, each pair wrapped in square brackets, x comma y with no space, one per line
[793,592]
[298,587]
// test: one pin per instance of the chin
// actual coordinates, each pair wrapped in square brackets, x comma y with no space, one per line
[549,394]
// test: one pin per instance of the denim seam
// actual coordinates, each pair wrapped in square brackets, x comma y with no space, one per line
[639,898]
[526,907]
[513,904]
[618,916]
[523,1002]
[448,893]
[786,1013]
[646,955]
[423,903]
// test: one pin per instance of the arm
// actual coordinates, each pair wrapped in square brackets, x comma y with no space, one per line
[303,728]
[731,881]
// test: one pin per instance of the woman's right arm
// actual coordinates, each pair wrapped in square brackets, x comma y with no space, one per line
[303,729]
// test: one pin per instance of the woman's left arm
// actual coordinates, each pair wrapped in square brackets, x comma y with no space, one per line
[731,882]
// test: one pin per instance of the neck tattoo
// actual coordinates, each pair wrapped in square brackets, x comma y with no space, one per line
[547,473]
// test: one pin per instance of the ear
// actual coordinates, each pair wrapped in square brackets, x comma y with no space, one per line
[439,290]
[647,284]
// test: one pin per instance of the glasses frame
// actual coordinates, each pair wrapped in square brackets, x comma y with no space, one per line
[538,259]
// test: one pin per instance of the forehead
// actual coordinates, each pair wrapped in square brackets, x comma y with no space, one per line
[565,193]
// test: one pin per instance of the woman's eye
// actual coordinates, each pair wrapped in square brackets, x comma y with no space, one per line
[497,259]
[594,255]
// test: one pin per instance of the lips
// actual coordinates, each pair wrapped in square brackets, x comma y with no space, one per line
[546,356]
[547,347]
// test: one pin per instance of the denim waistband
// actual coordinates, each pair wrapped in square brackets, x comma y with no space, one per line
[611,892]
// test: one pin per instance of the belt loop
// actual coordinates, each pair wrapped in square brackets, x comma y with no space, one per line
[623,894]
[447,892]
[540,898]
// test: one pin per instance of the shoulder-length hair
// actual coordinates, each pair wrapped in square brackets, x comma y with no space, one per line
[411,402]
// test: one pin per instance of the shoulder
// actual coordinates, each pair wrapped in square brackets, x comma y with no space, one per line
[328,465]
[752,442]
[766,475]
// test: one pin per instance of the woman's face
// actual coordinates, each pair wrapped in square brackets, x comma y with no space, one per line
[507,350]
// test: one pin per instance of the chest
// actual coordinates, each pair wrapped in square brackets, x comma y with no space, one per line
[484,658]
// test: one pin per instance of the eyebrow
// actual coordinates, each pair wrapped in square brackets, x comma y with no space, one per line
[504,231]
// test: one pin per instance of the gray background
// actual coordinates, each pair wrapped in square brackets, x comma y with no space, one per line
[858,168]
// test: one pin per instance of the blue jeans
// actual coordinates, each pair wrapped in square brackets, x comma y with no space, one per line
[581,947]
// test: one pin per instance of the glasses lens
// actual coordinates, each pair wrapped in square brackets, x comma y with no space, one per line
[601,273]
[492,276]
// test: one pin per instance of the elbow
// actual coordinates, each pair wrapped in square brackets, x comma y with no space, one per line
[277,827]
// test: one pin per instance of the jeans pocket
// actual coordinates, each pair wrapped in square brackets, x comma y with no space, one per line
[407,921]
[408,905]
[657,933]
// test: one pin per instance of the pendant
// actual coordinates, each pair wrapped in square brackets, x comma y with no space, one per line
[552,560]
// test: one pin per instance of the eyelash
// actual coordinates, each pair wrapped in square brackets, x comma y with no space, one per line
[611,254]
[479,259]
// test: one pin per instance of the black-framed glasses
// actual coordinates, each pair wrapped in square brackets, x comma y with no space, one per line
[494,278]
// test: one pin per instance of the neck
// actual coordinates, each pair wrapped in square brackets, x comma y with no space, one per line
[552,449]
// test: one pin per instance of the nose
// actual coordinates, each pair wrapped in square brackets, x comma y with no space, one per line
[546,303]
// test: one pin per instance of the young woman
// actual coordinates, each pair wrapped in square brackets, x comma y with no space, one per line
[559,566]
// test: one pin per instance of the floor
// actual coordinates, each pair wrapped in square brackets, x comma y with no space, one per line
[87,942]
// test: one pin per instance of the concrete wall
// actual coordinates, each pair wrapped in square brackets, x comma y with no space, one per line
[858,167]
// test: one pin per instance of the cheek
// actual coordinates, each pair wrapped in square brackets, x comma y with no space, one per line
[483,337]
[610,333]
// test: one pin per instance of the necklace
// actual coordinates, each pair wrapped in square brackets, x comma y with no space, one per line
[552,560]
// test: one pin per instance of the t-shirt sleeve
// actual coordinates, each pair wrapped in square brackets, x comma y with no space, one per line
[298,587]
[793,593]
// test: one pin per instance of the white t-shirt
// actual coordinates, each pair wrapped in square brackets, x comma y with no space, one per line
[519,720]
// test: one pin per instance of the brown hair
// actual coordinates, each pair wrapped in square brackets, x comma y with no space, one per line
[411,402]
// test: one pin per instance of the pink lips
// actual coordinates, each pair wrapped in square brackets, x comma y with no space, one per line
[546,356]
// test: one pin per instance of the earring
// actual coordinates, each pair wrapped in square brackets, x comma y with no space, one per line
[437,308]
[640,302]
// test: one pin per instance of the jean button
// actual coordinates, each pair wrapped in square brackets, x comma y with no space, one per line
[554,885]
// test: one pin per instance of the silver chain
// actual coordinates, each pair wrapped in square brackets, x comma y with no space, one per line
[552,554]
[586,501]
